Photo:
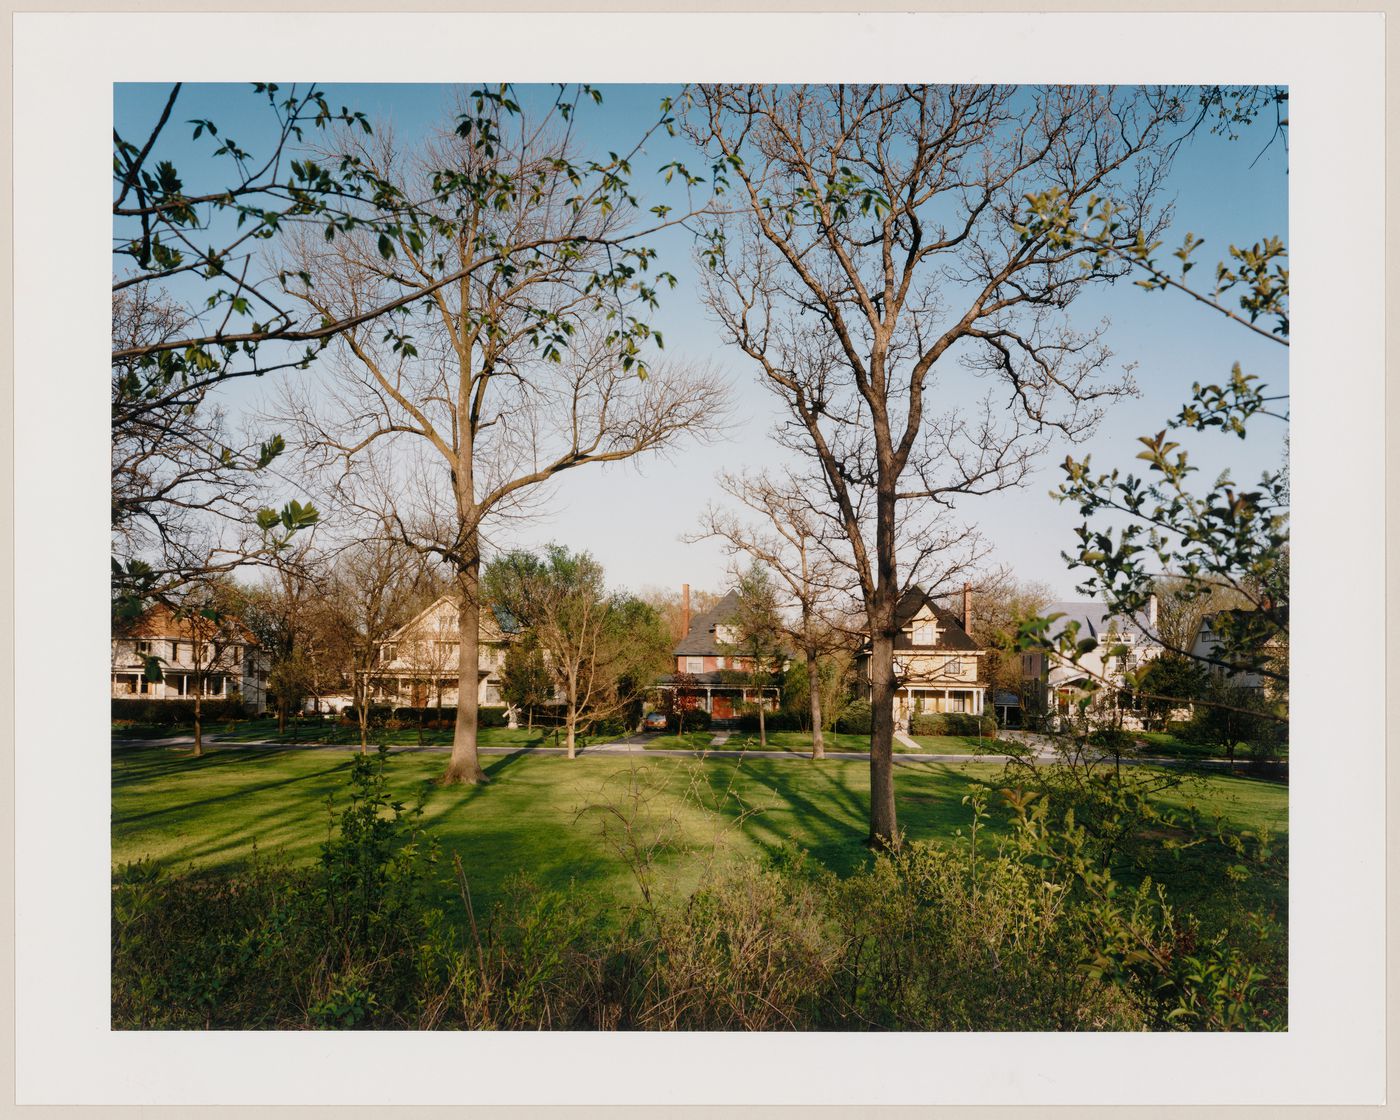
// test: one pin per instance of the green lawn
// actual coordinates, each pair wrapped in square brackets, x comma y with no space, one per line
[952,744]
[792,742]
[332,733]
[1161,744]
[546,814]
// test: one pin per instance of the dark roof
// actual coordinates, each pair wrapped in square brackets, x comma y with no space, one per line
[700,638]
[951,634]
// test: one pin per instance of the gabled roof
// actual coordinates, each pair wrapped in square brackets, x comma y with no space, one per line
[1095,620]
[492,618]
[700,640]
[159,621]
[951,634]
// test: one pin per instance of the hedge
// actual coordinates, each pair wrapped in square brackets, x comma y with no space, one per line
[951,723]
[486,716]
[166,712]
[696,719]
[772,721]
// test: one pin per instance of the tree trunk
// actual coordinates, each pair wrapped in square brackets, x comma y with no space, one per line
[464,767]
[762,731]
[569,725]
[198,718]
[883,832]
[814,696]
[281,716]
[362,710]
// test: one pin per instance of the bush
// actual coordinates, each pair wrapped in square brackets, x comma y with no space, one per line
[928,723]
[492,716]
[378,715]
[696,719]
[166,713]
[854,718]
[772,721]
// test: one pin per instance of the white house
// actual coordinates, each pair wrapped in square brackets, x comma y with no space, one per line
[1052,683]
[225,654]
[417,666]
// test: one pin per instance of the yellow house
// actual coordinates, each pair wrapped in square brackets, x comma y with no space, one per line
[937,665]
[418,665]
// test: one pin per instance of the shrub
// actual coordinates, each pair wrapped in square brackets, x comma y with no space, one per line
[696,719]
[165,713]
[492,716]
[928,723]
[772,721]
[854,718]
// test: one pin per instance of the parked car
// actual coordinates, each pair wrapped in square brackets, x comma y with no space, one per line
[654,721]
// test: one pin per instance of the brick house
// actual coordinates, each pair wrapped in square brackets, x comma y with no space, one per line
[705,660]
[230,658]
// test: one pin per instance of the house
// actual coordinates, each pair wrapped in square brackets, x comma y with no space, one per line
[706,663]
[226,655]
[417,665]
[937,665]
[1242,626]
[1052,683]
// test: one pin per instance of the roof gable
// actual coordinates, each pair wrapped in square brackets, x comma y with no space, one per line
[701,639]
[915,605]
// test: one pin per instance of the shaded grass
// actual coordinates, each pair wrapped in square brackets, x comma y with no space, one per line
[560,821]
[787,742]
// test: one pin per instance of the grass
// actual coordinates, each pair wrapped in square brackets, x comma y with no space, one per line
[334,733]
[952,744]
[1162,744]
[789,742]
[552,818]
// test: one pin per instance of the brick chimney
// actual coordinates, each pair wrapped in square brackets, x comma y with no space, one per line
[967,607]
[685,609]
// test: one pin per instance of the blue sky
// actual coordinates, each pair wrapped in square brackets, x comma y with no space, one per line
[630,516]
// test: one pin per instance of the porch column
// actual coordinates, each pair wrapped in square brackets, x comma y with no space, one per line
[709,703]
[946,706]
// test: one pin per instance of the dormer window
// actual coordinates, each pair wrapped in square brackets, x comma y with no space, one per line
[925,632]
[694,664]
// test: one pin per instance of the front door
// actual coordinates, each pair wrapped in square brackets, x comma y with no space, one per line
[721,707]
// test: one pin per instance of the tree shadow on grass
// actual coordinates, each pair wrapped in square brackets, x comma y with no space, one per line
[185,805]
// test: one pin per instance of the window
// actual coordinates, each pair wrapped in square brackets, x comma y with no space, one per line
[694,664]
[925,633]
[143,647]
[952,667]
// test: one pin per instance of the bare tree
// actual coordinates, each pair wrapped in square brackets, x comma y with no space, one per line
[516,370]
[786,541]
[871,255]
[678,608]
[217,639]
[372,590]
